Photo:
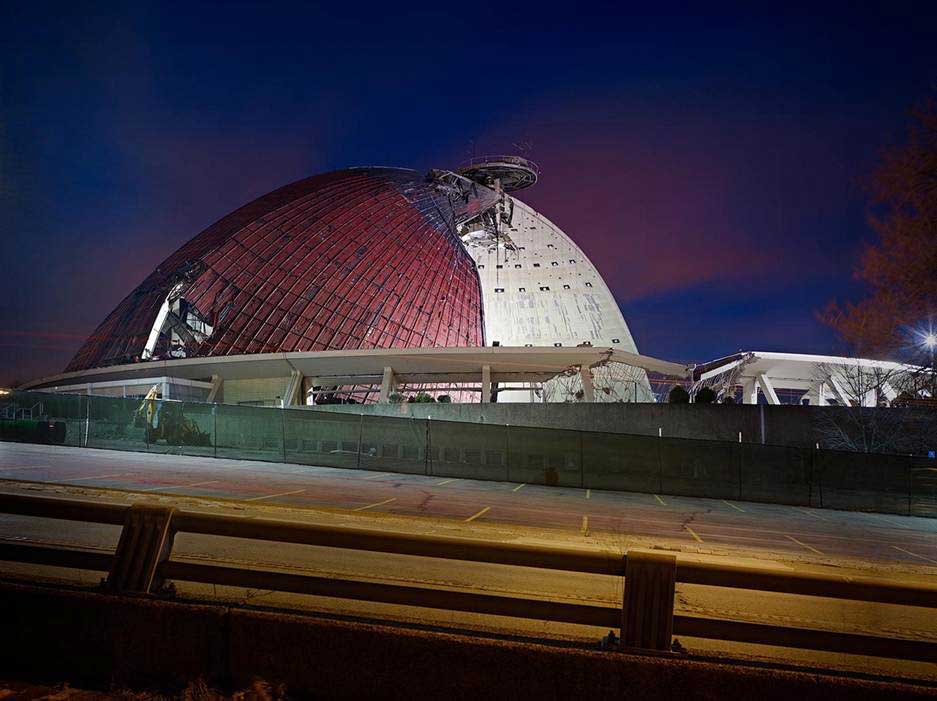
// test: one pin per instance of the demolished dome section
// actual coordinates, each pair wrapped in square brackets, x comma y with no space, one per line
[359,258]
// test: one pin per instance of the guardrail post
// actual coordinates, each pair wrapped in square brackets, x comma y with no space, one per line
[647,611]
[145,542]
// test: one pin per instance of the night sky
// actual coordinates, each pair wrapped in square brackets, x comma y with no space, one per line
[710,165]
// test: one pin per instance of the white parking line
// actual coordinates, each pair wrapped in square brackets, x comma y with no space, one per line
[479,514]
[371,506]
[163,488]
[920,557]
[804,545]
[96,477]
[273,496]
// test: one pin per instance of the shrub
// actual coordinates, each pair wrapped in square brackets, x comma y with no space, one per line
[678,395]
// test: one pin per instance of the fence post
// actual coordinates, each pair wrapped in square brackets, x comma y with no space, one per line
[360,435]
[660,461]
[582,466]
[741,457]
[819,475]
[214,429]
[426,444]
[647,606]
[145,543]
[88,421]
[910,485]
[282,430]
[507,452]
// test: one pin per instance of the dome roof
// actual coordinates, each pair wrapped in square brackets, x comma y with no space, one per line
[359,258]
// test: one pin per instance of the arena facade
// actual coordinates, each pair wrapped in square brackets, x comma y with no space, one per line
[335,287]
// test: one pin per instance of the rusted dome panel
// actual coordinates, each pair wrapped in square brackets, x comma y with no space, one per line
[361,258]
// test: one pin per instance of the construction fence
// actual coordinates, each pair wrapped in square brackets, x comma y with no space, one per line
[564,458]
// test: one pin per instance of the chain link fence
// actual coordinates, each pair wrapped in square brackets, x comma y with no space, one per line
[790,475]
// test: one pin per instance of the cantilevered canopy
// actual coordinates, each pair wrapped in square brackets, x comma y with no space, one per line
[351,366]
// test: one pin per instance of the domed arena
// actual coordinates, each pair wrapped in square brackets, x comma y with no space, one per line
[360,258]
[340,283]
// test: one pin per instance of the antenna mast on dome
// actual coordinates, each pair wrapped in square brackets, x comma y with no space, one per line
[513,172]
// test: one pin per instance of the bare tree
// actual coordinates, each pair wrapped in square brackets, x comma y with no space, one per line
[899,268]
[868,415]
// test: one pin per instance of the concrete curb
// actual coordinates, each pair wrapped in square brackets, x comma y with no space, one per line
[97,640]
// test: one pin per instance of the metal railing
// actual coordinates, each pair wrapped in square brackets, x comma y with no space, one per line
[646,619]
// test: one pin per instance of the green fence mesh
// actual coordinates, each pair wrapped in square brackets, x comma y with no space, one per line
[740,471]
[322,438]
[476,451]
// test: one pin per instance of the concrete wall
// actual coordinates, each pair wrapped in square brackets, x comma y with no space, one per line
[103,641]
[255,390]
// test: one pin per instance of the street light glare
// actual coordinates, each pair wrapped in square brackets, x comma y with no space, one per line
[930,340]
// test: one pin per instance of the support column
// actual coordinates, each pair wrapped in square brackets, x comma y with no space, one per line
[388,385]
[768,389]
[749,391]
[841,395]
[588,391]
[888,392]
[217,385]
[309,384]
[647,611]
[294,390]
[145,542]
[486,384]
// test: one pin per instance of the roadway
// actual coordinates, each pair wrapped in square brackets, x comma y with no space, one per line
[803,538]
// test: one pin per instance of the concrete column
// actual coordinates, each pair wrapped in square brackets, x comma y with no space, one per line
[388,385]
[294,390]
[749,391]
[768,389]
[841,395]
[486,384]
[588,392]
[217,383]
[308,384]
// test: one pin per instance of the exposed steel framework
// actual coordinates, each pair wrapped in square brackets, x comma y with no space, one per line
[359,258]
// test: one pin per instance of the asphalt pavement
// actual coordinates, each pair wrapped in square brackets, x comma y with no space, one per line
[751,533]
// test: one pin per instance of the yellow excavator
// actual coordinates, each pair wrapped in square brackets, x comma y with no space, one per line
[166,420]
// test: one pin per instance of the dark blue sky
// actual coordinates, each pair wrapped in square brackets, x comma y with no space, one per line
[709,163]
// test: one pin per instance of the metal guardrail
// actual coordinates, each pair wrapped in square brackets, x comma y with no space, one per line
[646,617]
